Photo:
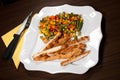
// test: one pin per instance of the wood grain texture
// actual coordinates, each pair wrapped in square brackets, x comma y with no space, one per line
[108,67]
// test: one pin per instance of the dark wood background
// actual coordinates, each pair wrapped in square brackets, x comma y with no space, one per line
[13,12]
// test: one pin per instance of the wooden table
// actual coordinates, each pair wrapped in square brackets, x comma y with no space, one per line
[108,67]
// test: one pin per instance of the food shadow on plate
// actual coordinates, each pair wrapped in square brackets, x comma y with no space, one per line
[103,41]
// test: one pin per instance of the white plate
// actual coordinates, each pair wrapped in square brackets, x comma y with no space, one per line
[91,27]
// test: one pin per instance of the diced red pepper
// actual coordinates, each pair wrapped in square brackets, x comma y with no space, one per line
[70,18]
[51,29]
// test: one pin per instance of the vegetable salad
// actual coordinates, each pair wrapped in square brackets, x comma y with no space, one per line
[66,23]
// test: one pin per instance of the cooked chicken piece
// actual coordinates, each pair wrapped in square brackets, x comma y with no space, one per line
[71,53]
[74,58]
[63,40]
[53,58]
[46,52]
[59,55]
[81,40]
[49,44]
[71,47]
[61,47]
[41,57]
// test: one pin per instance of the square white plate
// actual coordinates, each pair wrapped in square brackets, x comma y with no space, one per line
[91,27]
